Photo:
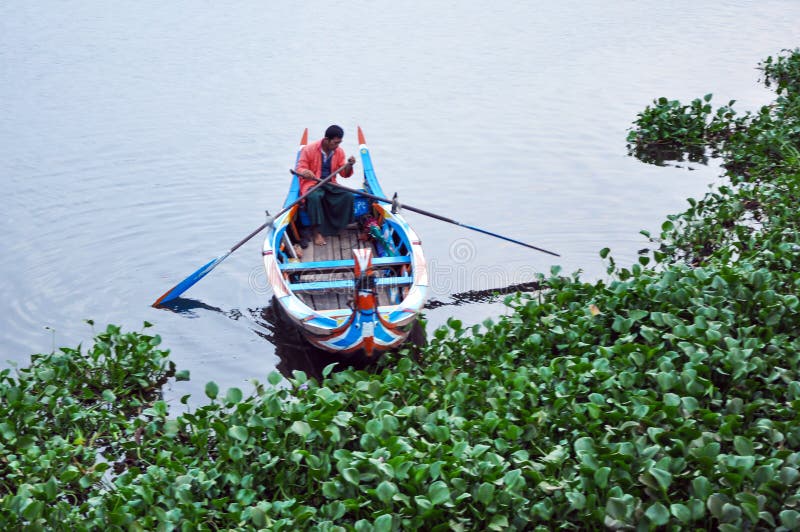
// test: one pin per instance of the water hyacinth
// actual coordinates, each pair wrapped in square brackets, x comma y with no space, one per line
[667,396]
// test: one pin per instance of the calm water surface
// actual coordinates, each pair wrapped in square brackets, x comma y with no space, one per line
[139,140]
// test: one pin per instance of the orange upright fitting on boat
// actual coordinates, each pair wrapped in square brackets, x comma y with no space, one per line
[365,300]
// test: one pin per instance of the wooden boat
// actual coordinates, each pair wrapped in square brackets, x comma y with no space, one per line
[360,294]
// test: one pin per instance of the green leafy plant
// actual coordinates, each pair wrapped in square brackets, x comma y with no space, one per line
[668,130]
[783,72]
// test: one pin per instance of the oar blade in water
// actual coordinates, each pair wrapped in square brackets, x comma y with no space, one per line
[187,283]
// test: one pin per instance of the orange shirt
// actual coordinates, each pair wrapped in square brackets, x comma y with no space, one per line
[311,159]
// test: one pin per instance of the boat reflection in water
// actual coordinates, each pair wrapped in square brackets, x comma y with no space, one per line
[297,354]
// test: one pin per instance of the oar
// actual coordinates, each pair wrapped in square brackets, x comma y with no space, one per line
[204,270]
[396,205]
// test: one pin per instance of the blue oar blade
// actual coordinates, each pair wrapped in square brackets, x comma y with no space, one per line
[187,283]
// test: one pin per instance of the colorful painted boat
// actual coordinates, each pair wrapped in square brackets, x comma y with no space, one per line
[359,295]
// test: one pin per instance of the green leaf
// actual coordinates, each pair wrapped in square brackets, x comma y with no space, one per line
[108,396]
[556,456]
[51,488]
[374,427]
[790,519]
[789,475]
[331,489]
[327,369]
[701,488]
[233,396]
[664,478]
[604,252]
[697,509]
[485,493]
[658,514]
[171,427]
[715,504]
[730,513]
[577,500]
[352,475]
[274,378]
[743,446]
[681,512]
[671,399]
[235,453]
[423,502]
[301,428]
[183,375]
[617,508]
[212,390]
[498,522]
[34,510]
[383,523]
[238,432]
[385,491]
[584,445]
[258,517]
[690,403]
[601,476]
[438,492]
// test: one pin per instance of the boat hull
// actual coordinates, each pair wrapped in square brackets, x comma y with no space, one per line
[362,304]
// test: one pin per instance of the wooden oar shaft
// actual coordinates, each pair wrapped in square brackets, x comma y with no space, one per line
[320,182]
[204,270]
[439,217]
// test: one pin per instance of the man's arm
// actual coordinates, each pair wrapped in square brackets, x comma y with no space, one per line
[348,169]
[304,164]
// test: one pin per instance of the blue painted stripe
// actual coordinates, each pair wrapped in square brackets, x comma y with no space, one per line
[369,173]
[382,334]
[347,283]
[341,264]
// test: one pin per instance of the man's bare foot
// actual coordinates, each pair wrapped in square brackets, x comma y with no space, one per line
[319,240]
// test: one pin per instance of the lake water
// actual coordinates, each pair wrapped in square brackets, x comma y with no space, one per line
[139,140]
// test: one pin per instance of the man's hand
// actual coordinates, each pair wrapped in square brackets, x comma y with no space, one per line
[351,161]
[308,174]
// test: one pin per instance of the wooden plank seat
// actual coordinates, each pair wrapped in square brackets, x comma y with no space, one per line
[334,265]
[345,284]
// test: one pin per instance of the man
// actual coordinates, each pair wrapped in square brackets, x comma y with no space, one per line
[329,208]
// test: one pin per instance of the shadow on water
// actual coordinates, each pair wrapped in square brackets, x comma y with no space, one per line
[668,154]
[187,307]
[296,354]
[482,296]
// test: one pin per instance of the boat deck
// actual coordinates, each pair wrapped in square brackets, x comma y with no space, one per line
[338,248]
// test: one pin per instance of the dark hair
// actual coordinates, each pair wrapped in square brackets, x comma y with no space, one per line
[334,132]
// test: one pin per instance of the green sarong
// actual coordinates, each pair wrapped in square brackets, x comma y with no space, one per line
[330,209]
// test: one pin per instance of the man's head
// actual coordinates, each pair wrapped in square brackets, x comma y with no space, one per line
[333,137]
